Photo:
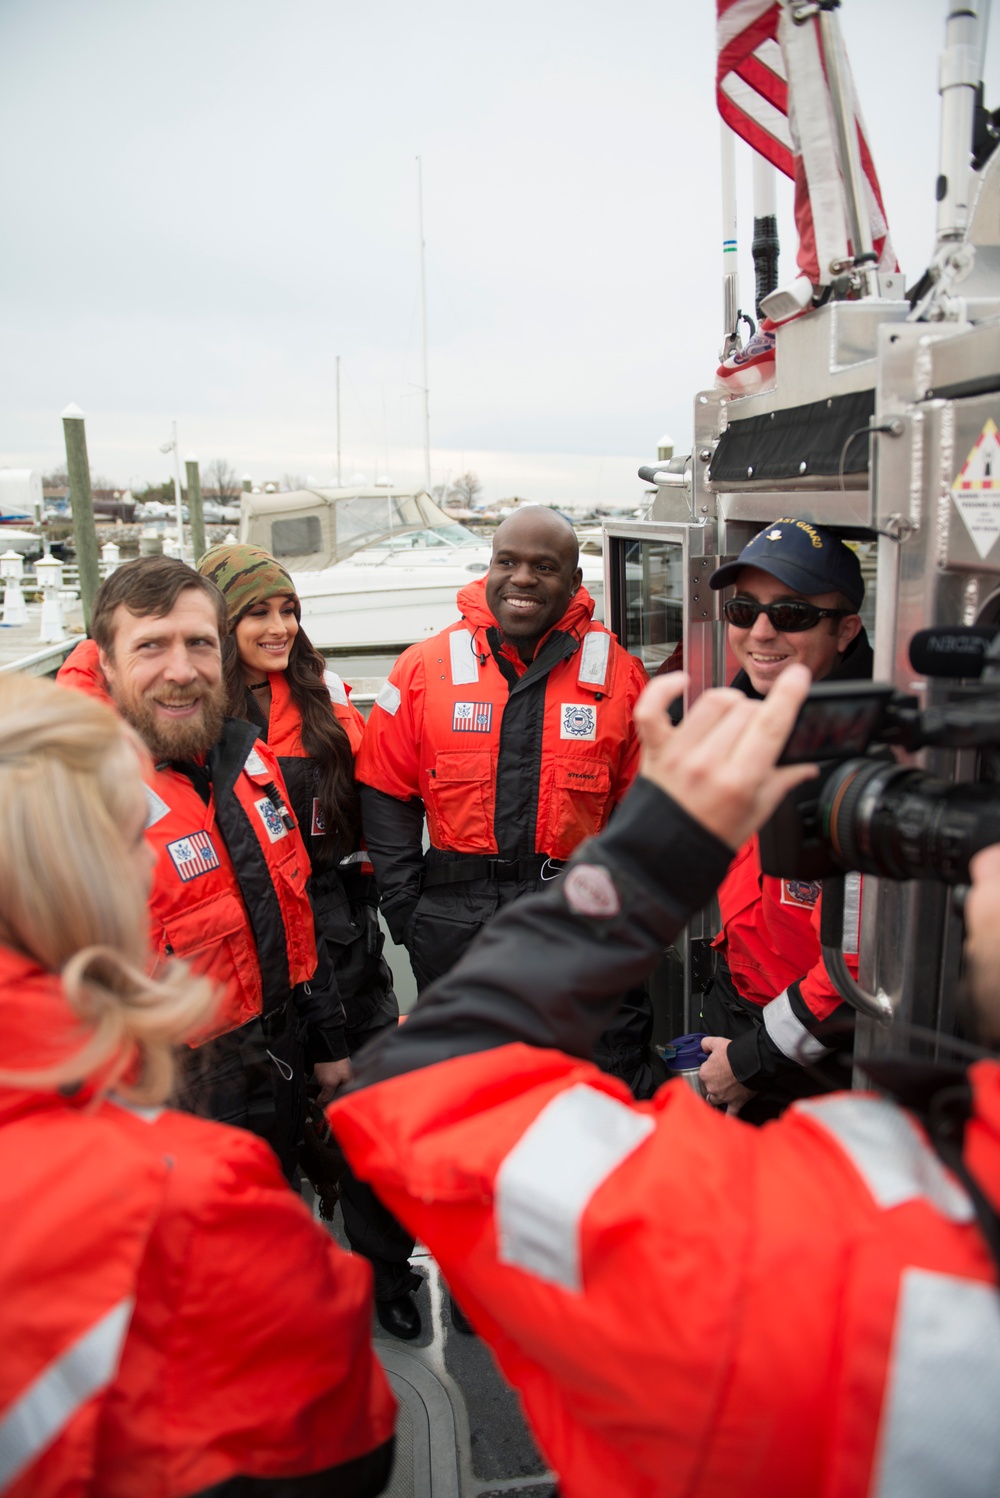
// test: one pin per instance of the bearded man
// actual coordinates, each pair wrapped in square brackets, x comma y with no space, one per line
[229,892]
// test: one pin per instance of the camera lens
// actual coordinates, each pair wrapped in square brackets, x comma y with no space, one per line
[884,819]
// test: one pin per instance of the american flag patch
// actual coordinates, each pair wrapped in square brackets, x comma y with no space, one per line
[193,855]
[472,717]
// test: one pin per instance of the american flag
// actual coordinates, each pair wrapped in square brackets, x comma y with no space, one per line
[750,80]
[193,855]
[771,89]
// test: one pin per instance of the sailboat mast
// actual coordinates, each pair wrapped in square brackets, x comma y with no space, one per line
[423,329]
[338,421]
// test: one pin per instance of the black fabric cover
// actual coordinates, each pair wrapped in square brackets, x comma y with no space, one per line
[776,444]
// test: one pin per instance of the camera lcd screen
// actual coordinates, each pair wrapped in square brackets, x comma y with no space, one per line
[836,721]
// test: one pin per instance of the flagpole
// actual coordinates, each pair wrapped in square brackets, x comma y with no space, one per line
[730,247]
[864,258]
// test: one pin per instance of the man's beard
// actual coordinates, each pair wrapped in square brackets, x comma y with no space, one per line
[184,739]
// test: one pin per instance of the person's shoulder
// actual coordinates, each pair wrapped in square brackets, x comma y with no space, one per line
[81,670]
[207,1161]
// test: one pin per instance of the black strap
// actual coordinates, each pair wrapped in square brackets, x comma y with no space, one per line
[471,867]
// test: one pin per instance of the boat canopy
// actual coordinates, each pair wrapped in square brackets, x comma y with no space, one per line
[309,529]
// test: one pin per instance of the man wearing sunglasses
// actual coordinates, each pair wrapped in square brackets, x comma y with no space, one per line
[796,594]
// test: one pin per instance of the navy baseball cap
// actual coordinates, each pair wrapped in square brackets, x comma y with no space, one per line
[808,559]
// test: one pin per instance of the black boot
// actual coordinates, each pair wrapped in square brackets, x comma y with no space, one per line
[399,1317]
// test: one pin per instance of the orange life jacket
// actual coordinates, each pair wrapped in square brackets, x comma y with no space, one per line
[437,732]
[691,1306]
[248,925]
[158,1284]
[770,933]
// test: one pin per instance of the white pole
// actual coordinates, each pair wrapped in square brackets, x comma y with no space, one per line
[177,492]
[730,257]
[338,421]
[423,329]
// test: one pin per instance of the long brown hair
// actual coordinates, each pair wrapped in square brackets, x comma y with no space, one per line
[323,738]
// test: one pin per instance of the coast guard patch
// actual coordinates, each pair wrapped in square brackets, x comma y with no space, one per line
[318,828]
[579,721]
[804,892]
[273,825]
[472,717]
[193,855]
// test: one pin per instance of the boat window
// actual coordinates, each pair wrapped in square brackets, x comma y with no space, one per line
[654,601]
[442,535]
[298,537]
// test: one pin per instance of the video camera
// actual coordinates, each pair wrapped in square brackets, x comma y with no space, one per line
[867,812]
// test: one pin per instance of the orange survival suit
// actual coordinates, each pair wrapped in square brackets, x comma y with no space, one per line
[820,1310]
[513,765]
[790,1030]
[230,896]
[345,901]
[170,1317]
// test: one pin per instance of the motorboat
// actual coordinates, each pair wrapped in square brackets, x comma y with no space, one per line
[376,569]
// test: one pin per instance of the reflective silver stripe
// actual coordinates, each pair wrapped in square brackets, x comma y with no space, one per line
[388,699]
[350,858]
[788,1032]
[464,663]
[940,1432]
[885,1148]
[156,808]
[34,1421]
[148,1115]
[545,1183]
[594,658]
[336,688]
[851,933]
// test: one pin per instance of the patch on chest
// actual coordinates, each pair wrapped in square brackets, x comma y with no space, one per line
[579,721]
[193,855]
[271,817]
[318,827]
[472,717]
[803,892]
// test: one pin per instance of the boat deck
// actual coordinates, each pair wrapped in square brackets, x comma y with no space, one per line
[21,649]
[459,1432]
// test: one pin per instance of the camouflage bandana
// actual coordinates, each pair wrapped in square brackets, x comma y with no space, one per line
[246,575]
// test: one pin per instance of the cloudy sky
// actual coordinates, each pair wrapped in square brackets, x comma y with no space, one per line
[204,202]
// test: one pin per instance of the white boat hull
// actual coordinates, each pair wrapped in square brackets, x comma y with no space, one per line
[371,603]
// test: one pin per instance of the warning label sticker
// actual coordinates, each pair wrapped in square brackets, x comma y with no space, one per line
[976,490]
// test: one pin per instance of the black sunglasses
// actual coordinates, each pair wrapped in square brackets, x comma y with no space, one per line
[789,616]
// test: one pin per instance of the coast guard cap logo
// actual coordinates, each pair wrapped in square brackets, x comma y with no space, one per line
[472,717]
[273,825]
[590,890]
[803,892]
[579,721]
[193,855]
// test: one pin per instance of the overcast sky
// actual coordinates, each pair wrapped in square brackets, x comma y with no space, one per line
[205,201]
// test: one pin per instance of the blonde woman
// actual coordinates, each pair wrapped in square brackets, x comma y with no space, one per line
[158,1281]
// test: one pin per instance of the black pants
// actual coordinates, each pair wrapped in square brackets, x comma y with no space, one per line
[370,1227]
[253,1078]
[449,917]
